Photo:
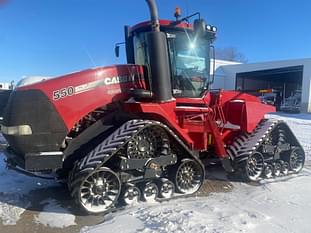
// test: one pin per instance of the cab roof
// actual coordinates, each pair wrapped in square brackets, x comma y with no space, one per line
[163,23]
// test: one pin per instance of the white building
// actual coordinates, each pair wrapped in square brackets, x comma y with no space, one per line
[286,76]
[5,86]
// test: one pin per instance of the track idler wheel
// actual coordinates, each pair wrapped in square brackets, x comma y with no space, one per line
[268,171]
[296,159]
[131,195]
[189,176]
[150,192]
[277,168]
[285,168]
[254,166]
[98,191]
[166,188]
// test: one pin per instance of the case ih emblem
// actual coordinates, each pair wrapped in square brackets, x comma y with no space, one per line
[70,91]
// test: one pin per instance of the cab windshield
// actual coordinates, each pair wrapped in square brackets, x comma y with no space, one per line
[190,64]
[189,61]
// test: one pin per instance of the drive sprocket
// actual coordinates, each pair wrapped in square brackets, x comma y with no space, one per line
[149,143]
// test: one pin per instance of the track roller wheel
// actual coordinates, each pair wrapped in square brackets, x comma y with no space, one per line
[150,192]
[131,195]
[189,177]
[268,171]
[98,191]
[296,159]
[254,166]
[277,168]
[166,188]
[285,168]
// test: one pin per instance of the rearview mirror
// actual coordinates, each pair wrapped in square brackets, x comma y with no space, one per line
[117,51]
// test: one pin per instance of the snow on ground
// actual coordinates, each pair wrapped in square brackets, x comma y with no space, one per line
[277,205]
[55,216]
[273,207]
[12,206]
[13,190]
[15,198]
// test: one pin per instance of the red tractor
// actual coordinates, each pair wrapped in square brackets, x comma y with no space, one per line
[146,130]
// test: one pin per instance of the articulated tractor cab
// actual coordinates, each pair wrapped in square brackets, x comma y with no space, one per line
[145,130]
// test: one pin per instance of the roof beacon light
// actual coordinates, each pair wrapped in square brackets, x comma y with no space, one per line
[177,13]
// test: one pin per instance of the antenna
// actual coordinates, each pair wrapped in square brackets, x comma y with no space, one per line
[89,56]
[187,7]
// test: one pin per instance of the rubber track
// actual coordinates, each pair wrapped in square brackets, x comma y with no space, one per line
[111,146]
[247,144]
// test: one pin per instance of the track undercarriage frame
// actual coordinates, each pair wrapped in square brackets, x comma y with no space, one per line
[151,160]
[154,171]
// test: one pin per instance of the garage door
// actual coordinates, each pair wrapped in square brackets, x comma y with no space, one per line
[286,80]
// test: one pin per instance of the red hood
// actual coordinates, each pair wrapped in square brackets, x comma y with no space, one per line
[75,95]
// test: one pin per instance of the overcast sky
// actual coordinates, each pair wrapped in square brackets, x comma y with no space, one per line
[54,37]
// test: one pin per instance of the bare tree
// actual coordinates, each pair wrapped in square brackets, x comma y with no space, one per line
[230,54]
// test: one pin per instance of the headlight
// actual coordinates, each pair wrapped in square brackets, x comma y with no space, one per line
[209,27]
[21,130]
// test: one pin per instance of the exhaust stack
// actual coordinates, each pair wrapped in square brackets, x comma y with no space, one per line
[154,15]
[159,60]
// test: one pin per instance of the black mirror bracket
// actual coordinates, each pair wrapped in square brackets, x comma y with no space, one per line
[117,49]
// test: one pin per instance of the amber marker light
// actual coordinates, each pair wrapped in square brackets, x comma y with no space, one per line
[177,12]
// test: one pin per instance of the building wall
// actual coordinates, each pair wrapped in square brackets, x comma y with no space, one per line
[4,86]
[220,75]
[229,72]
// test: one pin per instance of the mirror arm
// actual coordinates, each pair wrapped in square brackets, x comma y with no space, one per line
[214,63]
[117,48]
[186,19]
